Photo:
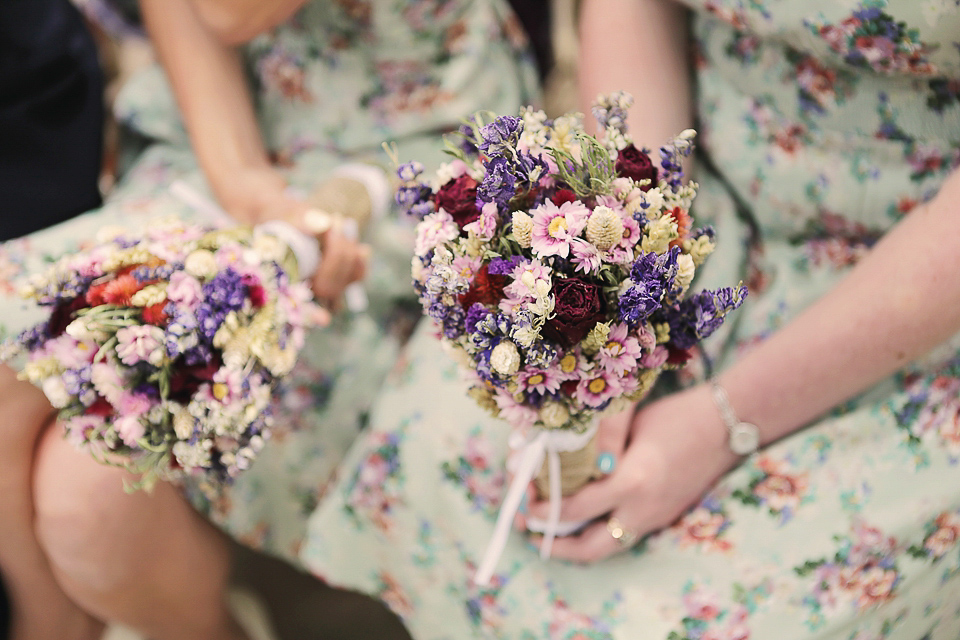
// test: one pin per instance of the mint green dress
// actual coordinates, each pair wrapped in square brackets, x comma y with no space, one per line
[330,86]
[823,123]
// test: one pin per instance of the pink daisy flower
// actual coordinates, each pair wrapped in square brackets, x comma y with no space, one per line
[586,256]
[554,228]
[519,416]
[597,389]
[621,351]
[485,227]
[655,359]
[436,229]
[543,381]
[573,365]
[466,267]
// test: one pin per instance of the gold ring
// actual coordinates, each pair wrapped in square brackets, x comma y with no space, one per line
[617,531]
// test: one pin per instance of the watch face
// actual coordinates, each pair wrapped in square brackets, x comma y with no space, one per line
[744,438]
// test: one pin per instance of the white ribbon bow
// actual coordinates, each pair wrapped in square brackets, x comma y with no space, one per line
[549,444]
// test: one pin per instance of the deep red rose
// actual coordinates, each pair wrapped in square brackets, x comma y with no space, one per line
[187,379]
[563,195]
[634,163]
[63,314]
[486,288]
[459,198]
[678,356]
[578,308]
[569,387]
[100,407]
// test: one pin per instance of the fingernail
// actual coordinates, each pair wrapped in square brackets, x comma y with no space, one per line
[605,463]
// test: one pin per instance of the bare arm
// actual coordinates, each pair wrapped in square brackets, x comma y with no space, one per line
[900,301]
[638,46]
[217,109]
[215,103]
[237,21]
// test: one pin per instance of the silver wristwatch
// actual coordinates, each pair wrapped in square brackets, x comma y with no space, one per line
[743,438]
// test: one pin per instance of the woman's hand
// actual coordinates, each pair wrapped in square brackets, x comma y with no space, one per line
[262,194]
[676,449]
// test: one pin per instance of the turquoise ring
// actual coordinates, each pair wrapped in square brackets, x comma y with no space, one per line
[605,463]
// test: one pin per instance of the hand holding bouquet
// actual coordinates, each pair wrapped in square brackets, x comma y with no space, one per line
[558,266]
[162,349]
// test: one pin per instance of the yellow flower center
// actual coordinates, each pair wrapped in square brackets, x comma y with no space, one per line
[597,385]
[614,347]
[535,379]
[568,363]
[220,390]
[557,225]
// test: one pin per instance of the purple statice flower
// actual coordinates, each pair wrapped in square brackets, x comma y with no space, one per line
[501,136]
[162,272]
[540,355]
[671,161]
[449,317]
[197,355]
[35,337]
[209,320]
[412,198]
[475,314]
[611,111]
[422,209]
[503,266]
[226,291]
[409,171]
[695,318]
[179,334]
[653,278]
[499,184]
[468,143]
[77,383]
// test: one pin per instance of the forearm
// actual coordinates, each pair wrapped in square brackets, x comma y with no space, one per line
[214,101]
[901,300]
[638,46]
[237,21]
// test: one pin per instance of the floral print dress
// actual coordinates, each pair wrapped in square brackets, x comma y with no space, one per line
[822,124]
[332,84]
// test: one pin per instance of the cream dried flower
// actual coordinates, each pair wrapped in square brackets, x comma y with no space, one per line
[685,271]
[595,339]
[659,234]
[554,415]
[522,229]
[699,248]
[662,330]
[604,228]
[505,359]
[200,264]
[150,295]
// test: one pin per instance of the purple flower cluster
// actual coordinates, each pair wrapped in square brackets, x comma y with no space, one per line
[695,318]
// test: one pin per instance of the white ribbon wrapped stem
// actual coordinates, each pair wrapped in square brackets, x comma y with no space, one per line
[545,443]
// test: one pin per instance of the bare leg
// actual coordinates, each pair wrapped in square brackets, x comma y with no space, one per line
[148,561]
[41,610]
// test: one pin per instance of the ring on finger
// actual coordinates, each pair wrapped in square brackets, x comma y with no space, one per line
[618,532]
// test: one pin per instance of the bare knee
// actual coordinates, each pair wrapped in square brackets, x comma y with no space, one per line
[78,509]
[25,412]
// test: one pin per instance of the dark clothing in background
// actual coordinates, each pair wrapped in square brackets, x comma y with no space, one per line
[51,115]
[535,16]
